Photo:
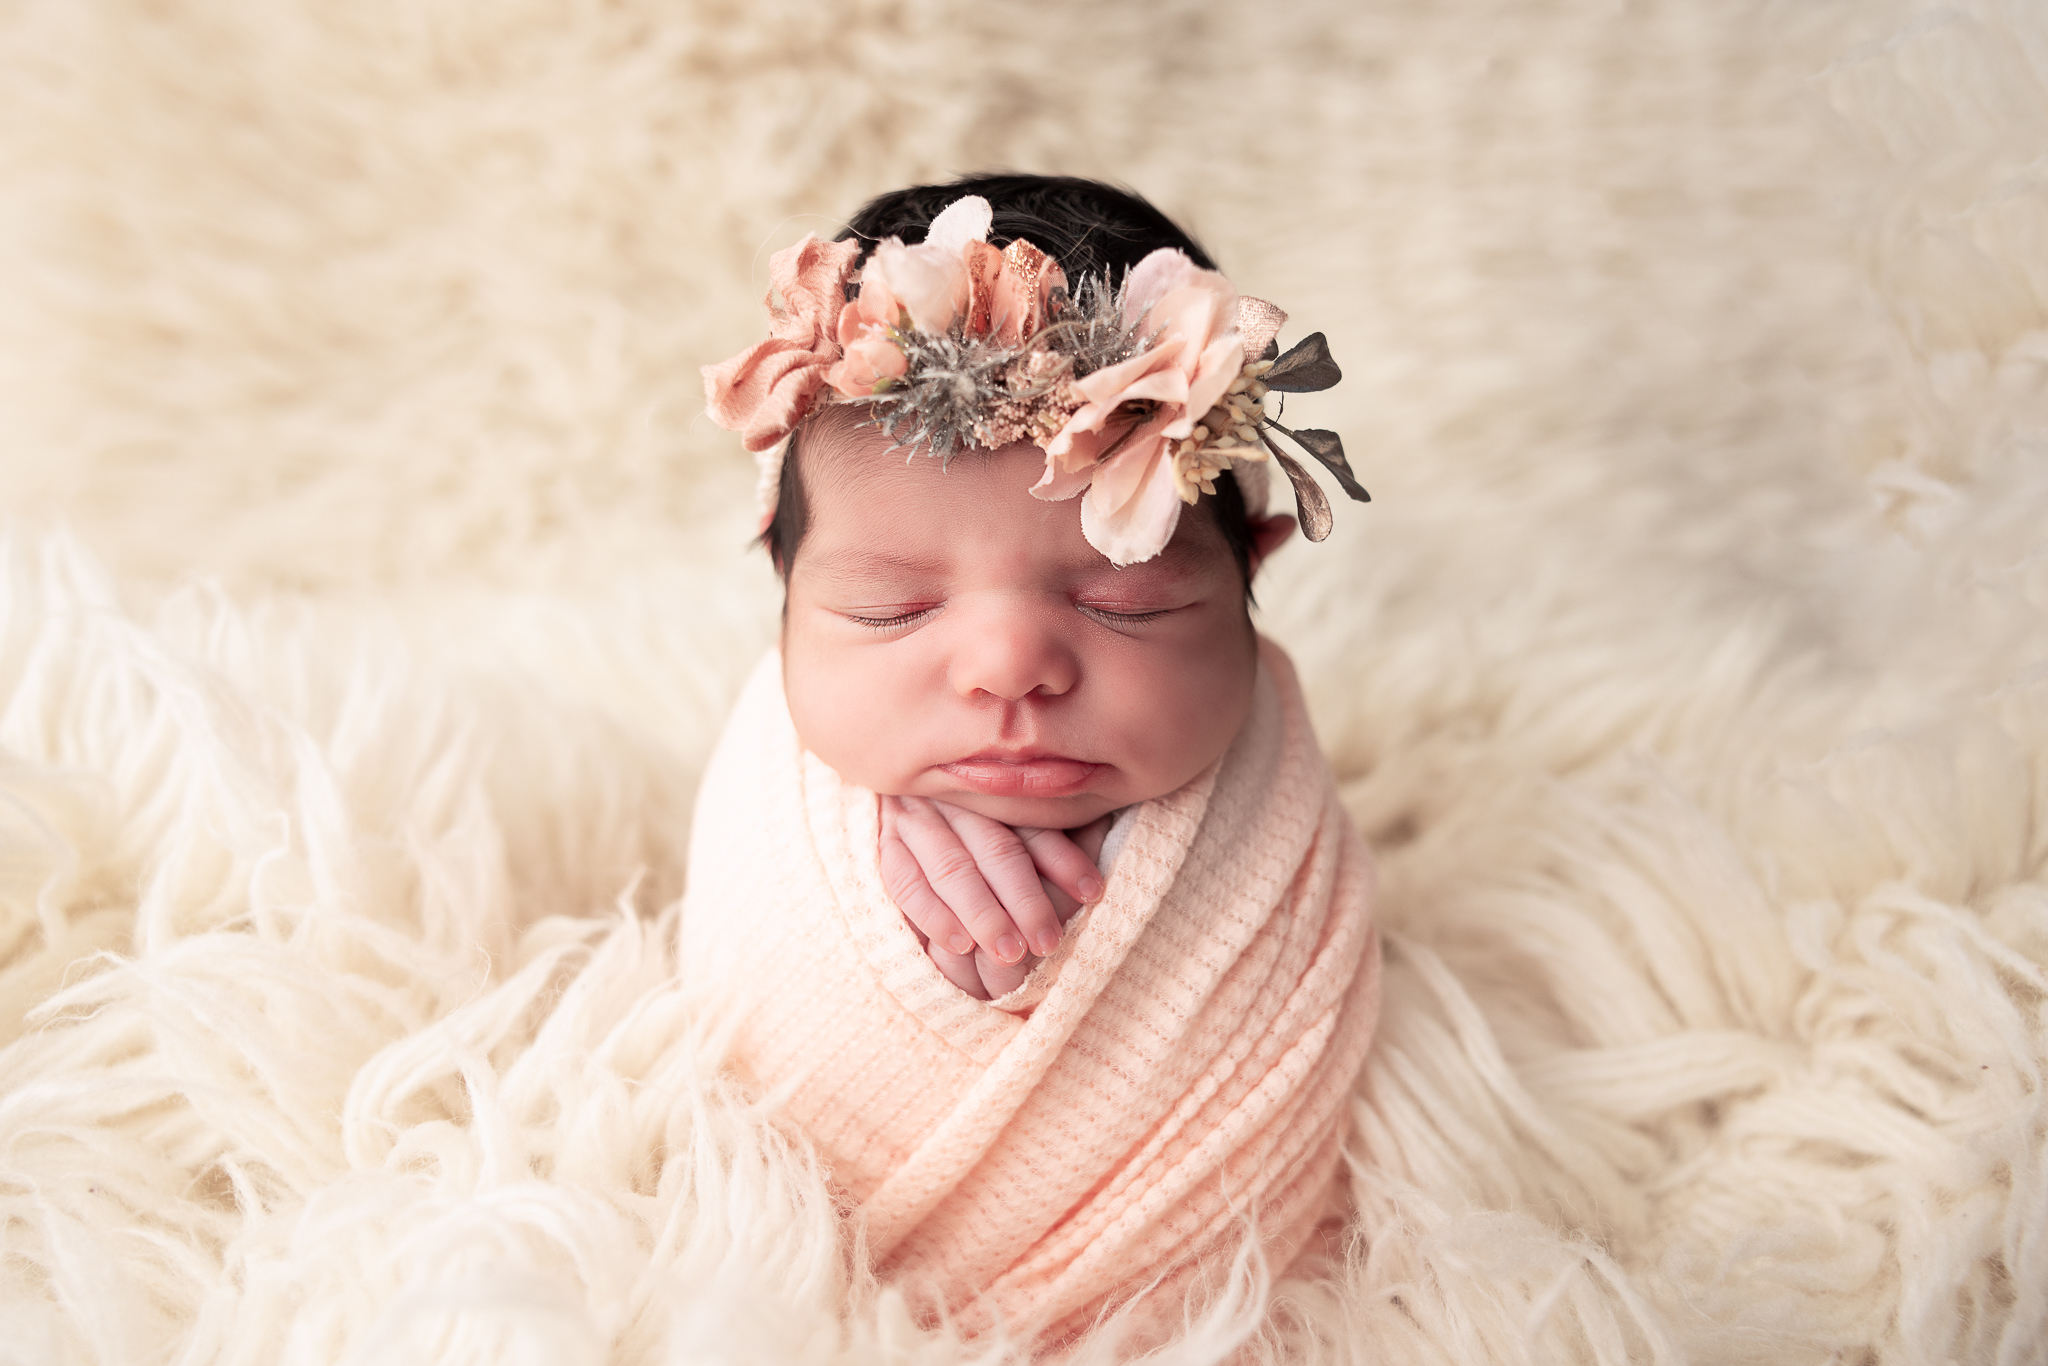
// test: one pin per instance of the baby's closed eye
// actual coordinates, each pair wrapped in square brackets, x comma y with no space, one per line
[1123,616]
[1138,594]
[889,618]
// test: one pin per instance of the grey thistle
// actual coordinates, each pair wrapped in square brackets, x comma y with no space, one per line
[950,381]
[958,389]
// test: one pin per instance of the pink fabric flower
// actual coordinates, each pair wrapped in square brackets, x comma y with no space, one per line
[930,281]
[766,389]
[1119,445]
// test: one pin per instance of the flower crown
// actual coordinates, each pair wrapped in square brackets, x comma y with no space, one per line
[1140,395]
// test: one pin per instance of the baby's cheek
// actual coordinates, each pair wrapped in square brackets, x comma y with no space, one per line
[1200,716]
[844,720]
[1182,744]
[814,708]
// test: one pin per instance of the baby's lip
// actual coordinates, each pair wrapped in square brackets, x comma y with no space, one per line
[1022,773]
[1023,755]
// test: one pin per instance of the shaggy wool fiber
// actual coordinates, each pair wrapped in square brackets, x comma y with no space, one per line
[375,587]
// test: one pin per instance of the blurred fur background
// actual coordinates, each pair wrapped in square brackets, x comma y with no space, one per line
[373,588]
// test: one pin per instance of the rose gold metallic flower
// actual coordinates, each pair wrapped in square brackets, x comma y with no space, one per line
[1023,292]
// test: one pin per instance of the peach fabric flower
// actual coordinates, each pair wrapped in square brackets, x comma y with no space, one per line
[871,359]
[766,389]
[1119,445]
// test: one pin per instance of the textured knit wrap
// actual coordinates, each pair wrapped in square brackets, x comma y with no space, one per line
[1179,1068]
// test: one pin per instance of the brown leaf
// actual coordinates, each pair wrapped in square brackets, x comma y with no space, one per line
[1309,501]
[1305,369]
[1328,447]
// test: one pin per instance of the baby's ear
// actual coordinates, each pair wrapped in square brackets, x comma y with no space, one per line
[1268,533]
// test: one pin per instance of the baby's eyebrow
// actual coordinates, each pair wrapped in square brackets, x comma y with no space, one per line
[1179,560]
[864,563]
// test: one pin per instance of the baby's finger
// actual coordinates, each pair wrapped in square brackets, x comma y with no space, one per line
[956,875]
[999,978]
[1061,862]
[1005,865]
[906,884]
[1092,836]
[1063,906]
[963,970]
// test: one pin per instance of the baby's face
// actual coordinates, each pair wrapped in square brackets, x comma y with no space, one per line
[950,636]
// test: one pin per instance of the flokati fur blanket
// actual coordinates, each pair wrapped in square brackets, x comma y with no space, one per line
[372,592]
[1176,1071]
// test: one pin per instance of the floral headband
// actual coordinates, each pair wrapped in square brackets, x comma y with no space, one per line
[1139,395]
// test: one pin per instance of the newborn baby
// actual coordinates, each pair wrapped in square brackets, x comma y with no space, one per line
[1044,1086]
[949,637]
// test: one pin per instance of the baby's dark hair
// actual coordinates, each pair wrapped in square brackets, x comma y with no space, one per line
[1089,228]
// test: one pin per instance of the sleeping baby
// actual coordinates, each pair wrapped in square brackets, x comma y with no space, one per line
[1017,875]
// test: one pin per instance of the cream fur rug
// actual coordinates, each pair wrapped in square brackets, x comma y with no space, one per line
[375,589]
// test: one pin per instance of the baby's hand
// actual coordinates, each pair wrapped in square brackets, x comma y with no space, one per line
[986,897]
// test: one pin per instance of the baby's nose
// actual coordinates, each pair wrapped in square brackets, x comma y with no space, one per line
[1011,655]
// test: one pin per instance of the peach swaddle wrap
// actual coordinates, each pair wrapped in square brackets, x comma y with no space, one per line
[1180,1063]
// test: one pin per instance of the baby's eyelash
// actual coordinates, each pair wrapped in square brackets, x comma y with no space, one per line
[890,623]
[1125,618]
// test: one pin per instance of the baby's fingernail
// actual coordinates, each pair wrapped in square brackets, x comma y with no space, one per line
[1009,948]
[1091,887]
[960,943]
[1047,941]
